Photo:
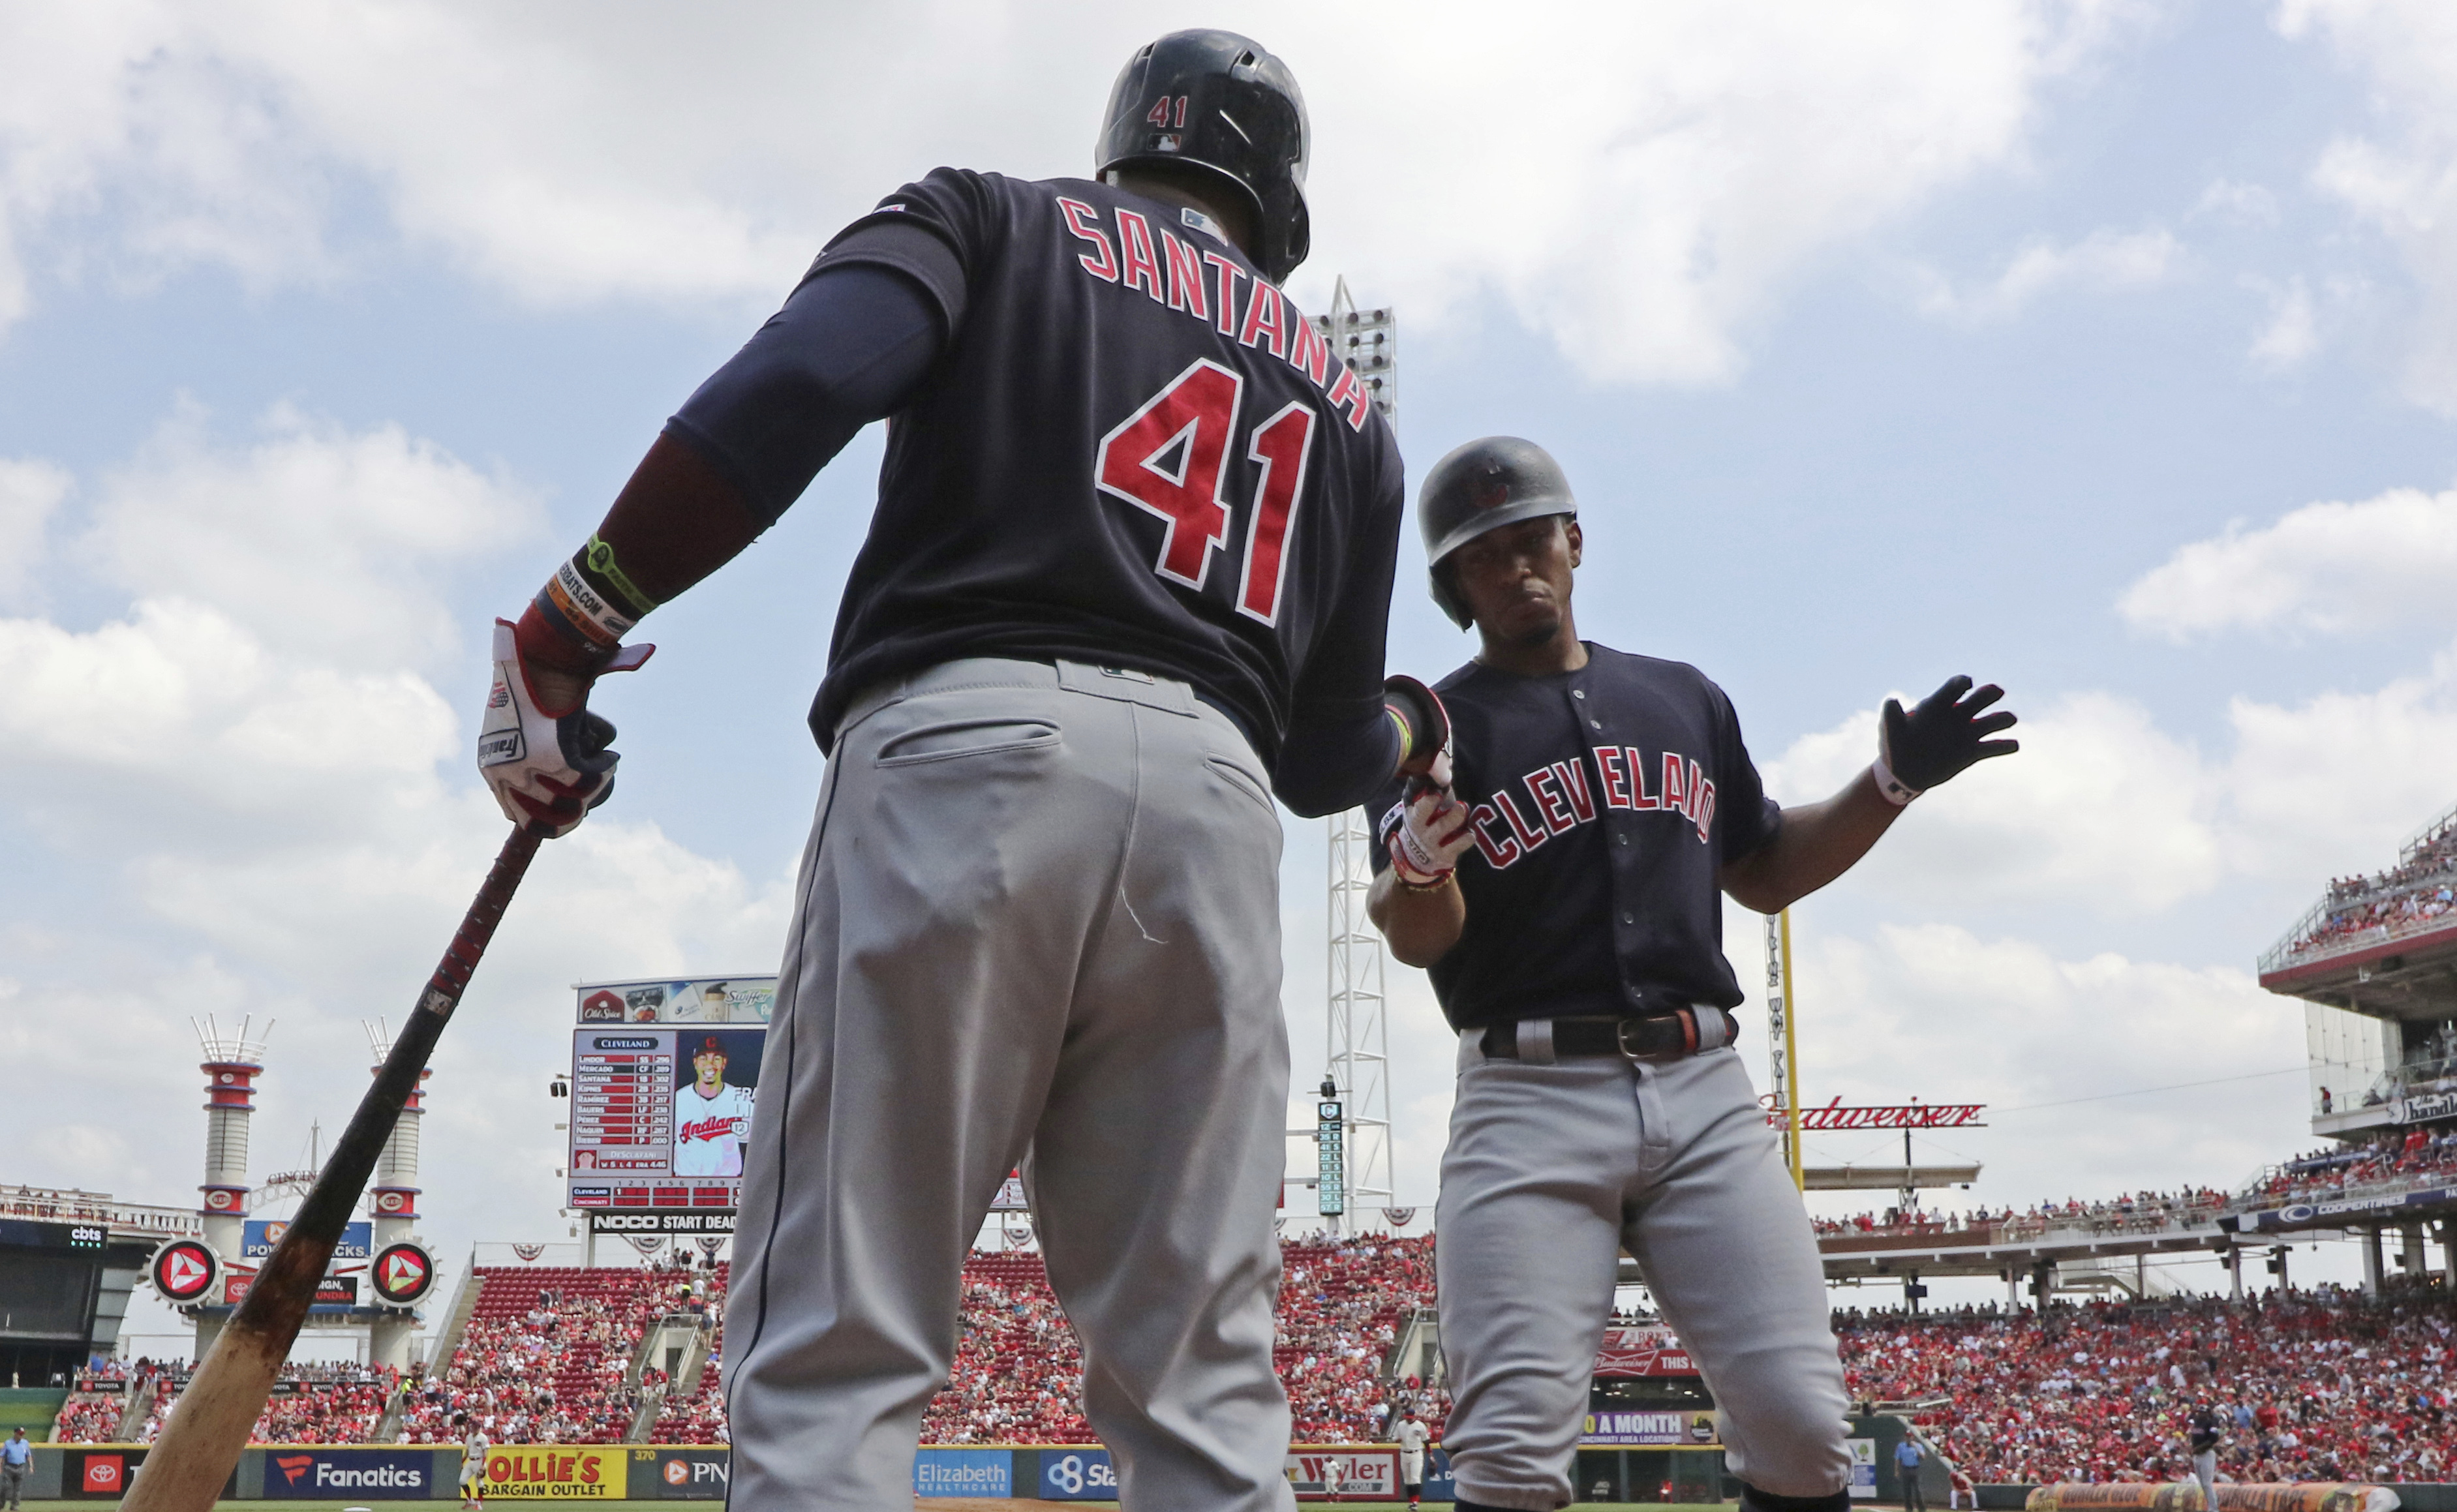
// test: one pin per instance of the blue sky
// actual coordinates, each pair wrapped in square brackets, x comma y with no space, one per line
[2102,349]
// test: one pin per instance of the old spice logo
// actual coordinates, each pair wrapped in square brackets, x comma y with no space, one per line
[295,1465]
[709,1128]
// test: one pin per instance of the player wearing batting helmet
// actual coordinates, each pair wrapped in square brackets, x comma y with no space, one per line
[1563,891]
[1127,579]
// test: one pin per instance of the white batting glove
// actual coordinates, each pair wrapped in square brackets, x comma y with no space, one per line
[1434,831]
[546,769]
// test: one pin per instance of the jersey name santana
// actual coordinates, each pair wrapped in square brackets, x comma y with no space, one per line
[1135,451]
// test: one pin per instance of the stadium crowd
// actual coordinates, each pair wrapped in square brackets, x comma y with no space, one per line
[2318,1385]
[2133,1209]
[549,1355]
[1017,1377]
[312,1402]
[2421,888]
[2326,1175]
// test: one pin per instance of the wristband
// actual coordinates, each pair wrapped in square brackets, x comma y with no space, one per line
[1895,791]
[591,600]
[1435,885]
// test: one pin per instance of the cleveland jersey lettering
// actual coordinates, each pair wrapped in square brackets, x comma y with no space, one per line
[1559,796]
[1603,803]
[1134,451]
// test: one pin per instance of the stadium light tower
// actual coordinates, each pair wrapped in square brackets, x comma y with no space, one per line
[1355,1174]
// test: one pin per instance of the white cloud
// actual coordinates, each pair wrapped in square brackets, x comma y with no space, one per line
[29,492]
[2098,808]
[2104,261]
[2104,812]
[2403,181]
[2293,332]
[1935,1012]
[248,766]
[2327,568]
[314,539]
[2243,204]
[1642,183]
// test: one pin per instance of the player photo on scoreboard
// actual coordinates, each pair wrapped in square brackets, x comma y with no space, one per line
[716,1073]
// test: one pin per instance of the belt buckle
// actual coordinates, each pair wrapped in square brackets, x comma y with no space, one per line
[1621,1035]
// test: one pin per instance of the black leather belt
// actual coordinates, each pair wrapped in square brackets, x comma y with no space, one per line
[1652,1036]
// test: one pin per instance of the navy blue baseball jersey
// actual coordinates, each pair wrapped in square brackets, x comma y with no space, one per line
[1604,802]
[1132,451]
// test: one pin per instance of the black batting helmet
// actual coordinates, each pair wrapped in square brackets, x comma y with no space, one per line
[1219,102]
[1484,485]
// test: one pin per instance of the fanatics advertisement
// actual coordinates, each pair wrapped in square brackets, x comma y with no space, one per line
[320,1475]
[658,1117]
[711,1000]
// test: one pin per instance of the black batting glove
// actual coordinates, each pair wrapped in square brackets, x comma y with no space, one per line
[1934,742]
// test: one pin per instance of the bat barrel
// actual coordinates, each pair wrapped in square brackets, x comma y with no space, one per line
[191,1460]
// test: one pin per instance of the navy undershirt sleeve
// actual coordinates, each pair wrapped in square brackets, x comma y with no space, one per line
[850,346]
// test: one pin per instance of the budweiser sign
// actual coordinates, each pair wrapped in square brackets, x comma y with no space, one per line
[1899,1116]
[1643,1352]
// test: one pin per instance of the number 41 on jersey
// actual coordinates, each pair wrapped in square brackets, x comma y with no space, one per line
[1170,457]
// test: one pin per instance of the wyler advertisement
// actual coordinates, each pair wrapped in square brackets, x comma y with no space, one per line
[659,1116]
[1370,1473]
[707,1000]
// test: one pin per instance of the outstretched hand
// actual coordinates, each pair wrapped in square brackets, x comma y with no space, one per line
[1948,732]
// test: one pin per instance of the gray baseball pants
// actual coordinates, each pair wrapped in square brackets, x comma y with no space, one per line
[1552,1169]
[1040,911]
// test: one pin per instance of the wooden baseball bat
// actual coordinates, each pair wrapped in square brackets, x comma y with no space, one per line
[193,1459]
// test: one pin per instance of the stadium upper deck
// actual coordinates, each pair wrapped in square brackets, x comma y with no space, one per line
[2381,945]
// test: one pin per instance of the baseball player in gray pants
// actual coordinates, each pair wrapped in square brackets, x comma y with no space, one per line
[1564,893]
[1127,580]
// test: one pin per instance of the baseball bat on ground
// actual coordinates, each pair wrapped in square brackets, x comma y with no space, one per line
[191,1460]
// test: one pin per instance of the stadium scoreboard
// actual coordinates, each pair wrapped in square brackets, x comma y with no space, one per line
[664,1073]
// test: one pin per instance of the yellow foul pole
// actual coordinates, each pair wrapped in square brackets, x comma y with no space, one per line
[1790,1059]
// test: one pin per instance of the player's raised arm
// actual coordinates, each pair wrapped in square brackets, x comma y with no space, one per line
[845,350]
[1948,732]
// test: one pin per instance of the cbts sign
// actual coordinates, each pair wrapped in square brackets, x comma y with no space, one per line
[320,1475]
